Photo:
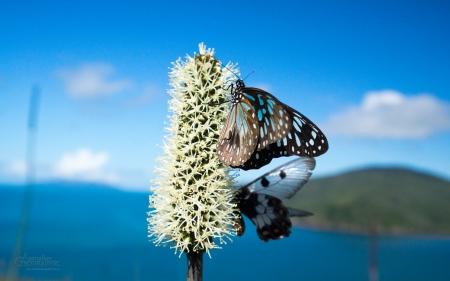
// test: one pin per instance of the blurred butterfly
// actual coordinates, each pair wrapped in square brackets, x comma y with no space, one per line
[259,128]
[260,200]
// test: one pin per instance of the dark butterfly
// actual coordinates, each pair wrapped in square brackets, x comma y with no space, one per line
[259,128]
[260,200]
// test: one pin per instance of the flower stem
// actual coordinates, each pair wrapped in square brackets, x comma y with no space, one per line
[195,266]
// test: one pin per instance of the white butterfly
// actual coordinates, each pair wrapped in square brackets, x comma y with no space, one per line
[261,202]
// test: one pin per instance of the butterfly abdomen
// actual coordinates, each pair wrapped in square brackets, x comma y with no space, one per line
[239,225]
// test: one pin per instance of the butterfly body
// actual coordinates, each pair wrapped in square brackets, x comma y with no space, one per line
[259,128]
[261,202]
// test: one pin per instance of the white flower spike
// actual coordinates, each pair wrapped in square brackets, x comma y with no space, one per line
[191,201]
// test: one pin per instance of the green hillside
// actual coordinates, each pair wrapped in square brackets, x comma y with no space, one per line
[393,200]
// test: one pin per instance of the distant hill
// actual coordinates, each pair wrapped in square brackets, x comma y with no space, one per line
[391,199]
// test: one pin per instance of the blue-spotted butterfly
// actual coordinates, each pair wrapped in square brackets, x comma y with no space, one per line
[260,200]
[259,128]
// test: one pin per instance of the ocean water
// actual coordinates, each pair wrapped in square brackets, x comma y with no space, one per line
[94,233]
[307,255]
[312,255]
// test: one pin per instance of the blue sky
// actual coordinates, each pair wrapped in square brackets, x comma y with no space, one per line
[374,75]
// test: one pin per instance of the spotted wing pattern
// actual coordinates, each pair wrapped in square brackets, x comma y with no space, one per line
[259,128]
[293,144]
[256,120]
[261,202]
[239,136]
[263,157]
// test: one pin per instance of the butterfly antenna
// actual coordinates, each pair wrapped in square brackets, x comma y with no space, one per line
[248,75]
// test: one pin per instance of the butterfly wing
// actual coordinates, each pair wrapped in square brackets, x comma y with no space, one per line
[239,136]
[284,181]
[259,128]
[304,139]
[263,157]
[298,213]
[260,199]
[274,121]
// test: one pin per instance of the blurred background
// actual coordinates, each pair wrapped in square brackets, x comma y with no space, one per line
[83,101]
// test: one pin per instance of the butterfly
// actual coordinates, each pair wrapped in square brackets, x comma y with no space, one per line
[259,128]
[261,202]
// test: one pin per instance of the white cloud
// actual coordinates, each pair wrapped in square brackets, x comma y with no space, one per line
[17,168]
[391,114]
[151,92]
[84,164]
[92,80]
